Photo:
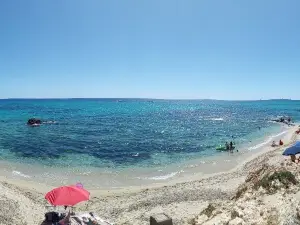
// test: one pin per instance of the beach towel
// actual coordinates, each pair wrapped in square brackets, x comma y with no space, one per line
[87,219]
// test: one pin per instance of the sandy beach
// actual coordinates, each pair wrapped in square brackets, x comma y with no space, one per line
[122,113]
[22,202]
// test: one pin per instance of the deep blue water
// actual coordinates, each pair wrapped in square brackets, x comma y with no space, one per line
[111,133]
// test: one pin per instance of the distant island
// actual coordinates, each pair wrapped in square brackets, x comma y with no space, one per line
[275,99]
[281,99]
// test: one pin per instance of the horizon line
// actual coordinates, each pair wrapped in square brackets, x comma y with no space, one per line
[137,98]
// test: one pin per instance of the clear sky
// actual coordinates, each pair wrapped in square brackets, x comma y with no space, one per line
[222,49]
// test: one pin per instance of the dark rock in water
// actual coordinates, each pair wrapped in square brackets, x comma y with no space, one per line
[285,120]
[34,122]
[277,120]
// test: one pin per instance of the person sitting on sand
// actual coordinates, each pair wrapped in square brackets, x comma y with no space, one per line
[293,158]
[273,144]
[66,220]
[280,142]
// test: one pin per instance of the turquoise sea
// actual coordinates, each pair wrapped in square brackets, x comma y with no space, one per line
[119,133]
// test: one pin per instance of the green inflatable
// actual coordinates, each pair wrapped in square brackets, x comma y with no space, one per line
[223,148]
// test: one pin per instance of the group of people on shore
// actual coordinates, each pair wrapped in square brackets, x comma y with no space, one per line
[229,146]
[279,144]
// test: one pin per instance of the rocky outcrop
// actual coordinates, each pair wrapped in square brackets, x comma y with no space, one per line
[285,120]
[34,122]
[270,195]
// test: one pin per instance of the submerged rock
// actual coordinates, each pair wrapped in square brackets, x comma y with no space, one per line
[34,122]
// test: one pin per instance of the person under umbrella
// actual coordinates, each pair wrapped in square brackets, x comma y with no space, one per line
[65,220]
[292,151]
[67,196]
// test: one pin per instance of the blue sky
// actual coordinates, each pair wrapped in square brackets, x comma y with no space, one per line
[225,49]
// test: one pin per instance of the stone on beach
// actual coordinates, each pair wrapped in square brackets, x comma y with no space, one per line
[160,219]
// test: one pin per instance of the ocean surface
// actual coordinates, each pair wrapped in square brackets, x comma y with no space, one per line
[126,133]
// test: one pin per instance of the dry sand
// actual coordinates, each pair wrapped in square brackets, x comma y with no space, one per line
[23,202]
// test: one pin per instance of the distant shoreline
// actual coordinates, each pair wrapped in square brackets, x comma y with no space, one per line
[154,99]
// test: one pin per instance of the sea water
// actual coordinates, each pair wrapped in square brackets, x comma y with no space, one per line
[146,138]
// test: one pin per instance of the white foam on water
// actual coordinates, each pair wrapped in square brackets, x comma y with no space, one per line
[267,141]
[272,122]
[260,145]
[163,177]
[217,119]
[18,173]
[50,122]
[85,173]
[277,135]
[192,166]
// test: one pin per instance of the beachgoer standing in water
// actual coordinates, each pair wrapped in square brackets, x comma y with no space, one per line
[227,146]
[231,146]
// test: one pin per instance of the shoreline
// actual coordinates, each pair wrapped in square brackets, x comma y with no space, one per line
[191,170]
[181,200]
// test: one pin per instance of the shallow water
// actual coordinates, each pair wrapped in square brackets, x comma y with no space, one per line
[110,133]
[145,138]
[137,176]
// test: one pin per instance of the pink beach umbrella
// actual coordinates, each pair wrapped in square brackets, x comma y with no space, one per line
[67,196]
